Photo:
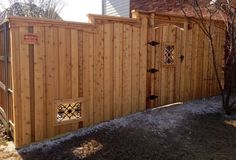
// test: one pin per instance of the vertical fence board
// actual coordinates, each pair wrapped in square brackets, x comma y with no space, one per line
[217,44]
[183,69]
[51,71]
[195,67]
[74,63]
[217,60]
[39,90]
[86,48]
[172,70]
[91,79]
[80,50]
[16,77]
[25,90]
[135,69]
[108,71]
[204,85]
[126,81]
[188,68]
[53,79]
[74,68]
[143,63]
[208,69]
[200,59]
[64,72]
[179,52]
[118,29]
[68,76]
[64,67]
[158,62]
[98,76]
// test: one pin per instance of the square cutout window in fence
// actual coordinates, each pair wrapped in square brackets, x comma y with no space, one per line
[169,55]
[69,111]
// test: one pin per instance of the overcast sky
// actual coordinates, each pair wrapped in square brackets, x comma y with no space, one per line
[76,10]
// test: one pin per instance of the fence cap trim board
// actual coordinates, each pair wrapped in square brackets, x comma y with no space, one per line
[51,22]
[90,26]
[167,15]
[74,23]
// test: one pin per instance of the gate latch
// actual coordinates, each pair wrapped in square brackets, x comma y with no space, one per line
[181,58]
[153,43]
[152,97]
[152,70]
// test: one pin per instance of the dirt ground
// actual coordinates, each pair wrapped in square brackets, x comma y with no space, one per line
[194,131]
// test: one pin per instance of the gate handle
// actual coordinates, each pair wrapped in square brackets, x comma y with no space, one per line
[181,58]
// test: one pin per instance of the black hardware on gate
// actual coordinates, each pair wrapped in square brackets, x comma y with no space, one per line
[153,70]
[181,58]
[153,43]
[152,97]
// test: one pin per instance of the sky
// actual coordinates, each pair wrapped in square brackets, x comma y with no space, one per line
[76,10]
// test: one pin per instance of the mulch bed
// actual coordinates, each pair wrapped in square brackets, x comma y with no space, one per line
[151,136]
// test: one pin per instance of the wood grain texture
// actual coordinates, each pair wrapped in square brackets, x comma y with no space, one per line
[39,87]
[104,66]
[17,107]
[126,80]
[99,75]
[25,90]
[108,71]
[190,78]
[118,32]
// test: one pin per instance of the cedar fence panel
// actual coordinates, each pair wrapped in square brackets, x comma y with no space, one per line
[66,75]
[191,75]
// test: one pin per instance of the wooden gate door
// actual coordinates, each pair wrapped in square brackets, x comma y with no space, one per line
[164,64]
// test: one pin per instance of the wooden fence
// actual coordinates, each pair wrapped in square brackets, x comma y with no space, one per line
[70,75]
[6,99]
[186,72]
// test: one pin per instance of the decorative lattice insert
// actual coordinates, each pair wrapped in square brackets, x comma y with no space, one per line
[169,54]
[69,111]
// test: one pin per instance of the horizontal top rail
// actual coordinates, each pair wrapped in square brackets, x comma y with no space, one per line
[170,15]
[16,21]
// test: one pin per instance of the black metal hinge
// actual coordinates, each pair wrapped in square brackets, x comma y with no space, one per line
[152,97]
[152,70]
[153,43]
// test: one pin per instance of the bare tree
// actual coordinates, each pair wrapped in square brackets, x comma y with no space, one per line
[204,14]
[38,8]
[51,8]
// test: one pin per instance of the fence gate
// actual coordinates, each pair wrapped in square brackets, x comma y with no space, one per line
[6,108]
[164,64]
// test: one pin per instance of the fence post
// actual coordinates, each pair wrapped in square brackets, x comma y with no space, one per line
[6,57]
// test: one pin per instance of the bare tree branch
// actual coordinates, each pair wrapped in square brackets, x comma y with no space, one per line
[45,8]
[204,17]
